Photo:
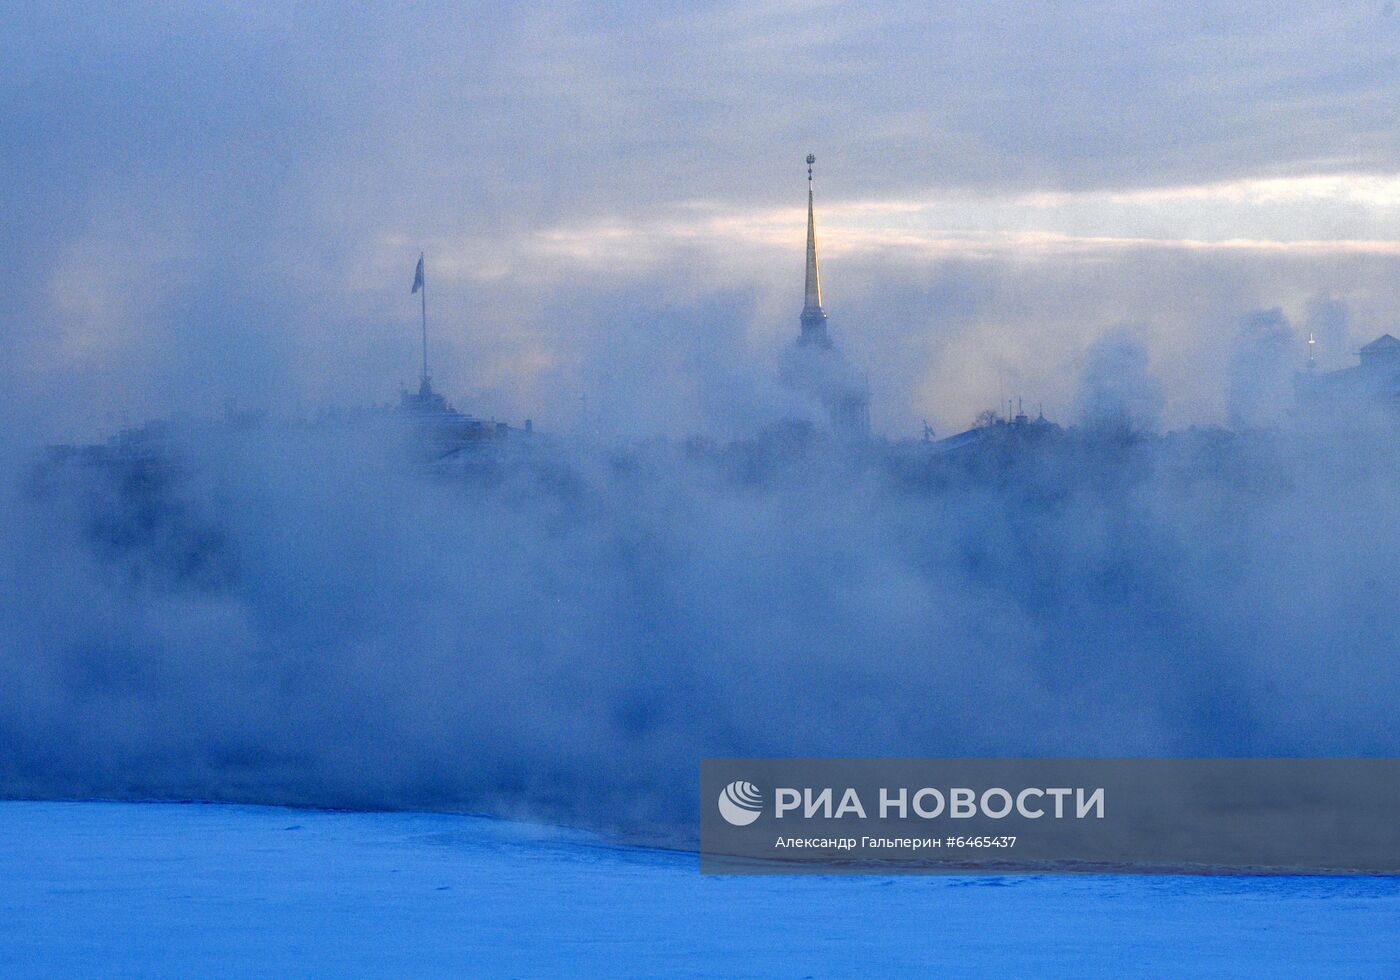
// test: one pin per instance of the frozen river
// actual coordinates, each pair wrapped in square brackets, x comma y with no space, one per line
[101,889]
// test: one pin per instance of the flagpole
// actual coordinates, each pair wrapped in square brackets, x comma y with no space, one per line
[424,298]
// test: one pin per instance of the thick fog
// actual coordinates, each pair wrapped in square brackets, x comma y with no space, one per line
[564,629]
[1130,216]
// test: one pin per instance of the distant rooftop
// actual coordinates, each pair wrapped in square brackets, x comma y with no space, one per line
[1384,344]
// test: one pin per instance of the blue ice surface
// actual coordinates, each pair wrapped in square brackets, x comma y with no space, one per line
[112,889]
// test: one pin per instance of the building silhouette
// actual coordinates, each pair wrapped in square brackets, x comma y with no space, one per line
[1366,392]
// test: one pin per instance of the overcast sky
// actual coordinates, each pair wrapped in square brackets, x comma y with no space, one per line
[205,202]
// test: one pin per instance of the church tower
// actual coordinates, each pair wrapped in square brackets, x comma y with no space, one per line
[813,316]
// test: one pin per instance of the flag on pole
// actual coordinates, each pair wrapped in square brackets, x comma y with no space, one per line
[418,277]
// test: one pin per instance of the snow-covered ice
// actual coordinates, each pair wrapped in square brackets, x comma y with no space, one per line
[101,889]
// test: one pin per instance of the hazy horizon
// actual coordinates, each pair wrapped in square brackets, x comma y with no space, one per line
[209,204]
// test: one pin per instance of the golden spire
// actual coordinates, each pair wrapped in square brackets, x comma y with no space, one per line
[813,316]
[813,299]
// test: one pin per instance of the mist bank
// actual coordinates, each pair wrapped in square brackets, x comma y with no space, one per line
[563,630]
